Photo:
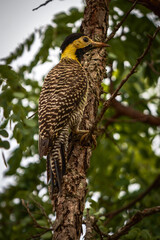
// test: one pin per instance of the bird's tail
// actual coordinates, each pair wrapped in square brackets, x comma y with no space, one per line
[56,163]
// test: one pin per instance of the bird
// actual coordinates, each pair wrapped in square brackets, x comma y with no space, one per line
[61,105]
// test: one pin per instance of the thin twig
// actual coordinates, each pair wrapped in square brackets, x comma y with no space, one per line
[43,4]
[120,23]
[109,121]
[152,68]
[32,115]
[33,218]
[133,221]
[4,159]
[30,214]
[112,214]
[135,114]
[43,211]
[39,234]
[97,229]
[115,93]
[113,141]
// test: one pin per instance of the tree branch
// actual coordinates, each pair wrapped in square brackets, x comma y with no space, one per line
[33,115]
[4,159]
[120,23]
[38,235]
[97,229]
[133,221]
[115,93]
[43,211]
[135,114]
[33,218]
[43,4]
[152,68]
[154,184]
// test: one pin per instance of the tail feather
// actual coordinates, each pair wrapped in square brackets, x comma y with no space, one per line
[64,158]
[57,160]
[56,167]
[58,174]
[50,177]
[48,168]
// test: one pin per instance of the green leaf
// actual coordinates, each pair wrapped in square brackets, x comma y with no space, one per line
[20,95]
[29,41]
[14,161]
[42,223]
[133,234]
[30,122]
[4,144]
[47,235]
[102,218]
[11,76]
[145,235]
[4,133]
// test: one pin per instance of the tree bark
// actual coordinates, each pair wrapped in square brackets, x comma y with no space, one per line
[70,203]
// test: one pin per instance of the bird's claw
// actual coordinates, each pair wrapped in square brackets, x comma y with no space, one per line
[86,137]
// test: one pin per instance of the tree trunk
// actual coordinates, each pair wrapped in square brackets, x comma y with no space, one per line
[70,203]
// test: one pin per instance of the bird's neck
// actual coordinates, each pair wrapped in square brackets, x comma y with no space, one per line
[70,52]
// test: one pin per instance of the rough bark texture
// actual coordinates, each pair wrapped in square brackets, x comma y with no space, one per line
[69,204]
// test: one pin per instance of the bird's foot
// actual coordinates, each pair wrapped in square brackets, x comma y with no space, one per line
[86,137]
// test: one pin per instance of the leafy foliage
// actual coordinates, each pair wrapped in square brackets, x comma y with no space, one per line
[123,164]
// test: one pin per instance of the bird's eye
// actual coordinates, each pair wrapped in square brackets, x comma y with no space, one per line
[85,39]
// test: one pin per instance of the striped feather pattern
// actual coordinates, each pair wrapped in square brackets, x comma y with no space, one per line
[61,105]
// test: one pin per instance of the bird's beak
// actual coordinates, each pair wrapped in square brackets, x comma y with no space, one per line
[99,44]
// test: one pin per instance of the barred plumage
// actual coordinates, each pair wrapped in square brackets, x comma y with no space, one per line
[61,105]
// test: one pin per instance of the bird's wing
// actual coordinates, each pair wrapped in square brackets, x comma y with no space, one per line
[49,86]
[62,92]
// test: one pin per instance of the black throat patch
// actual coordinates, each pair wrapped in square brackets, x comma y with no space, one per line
[81,51]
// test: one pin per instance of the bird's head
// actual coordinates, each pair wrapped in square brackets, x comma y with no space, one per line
[77,44]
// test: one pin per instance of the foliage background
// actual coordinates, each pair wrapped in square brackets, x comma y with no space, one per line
[126,160]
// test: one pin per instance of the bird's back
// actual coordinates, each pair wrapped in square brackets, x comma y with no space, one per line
[63,93]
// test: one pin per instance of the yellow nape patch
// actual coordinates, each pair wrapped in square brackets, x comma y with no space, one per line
[70,52]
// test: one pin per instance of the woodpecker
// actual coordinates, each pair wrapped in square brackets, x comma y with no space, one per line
[61,105]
